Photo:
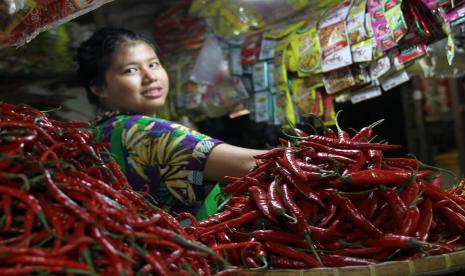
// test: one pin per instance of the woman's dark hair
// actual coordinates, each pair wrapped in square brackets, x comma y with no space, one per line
[95,55]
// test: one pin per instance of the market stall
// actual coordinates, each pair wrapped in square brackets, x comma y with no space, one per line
[324,197]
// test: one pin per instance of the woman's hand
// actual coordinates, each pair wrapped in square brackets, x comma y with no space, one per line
[225,159]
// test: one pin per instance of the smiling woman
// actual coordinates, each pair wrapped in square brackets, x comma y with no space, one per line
[124,77]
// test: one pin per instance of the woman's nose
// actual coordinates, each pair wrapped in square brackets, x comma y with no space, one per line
[150,75]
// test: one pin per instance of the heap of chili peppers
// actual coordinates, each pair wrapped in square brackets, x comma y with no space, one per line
[333,200]
[65,207]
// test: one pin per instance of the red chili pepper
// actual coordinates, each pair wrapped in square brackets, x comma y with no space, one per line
[358,251]
[109,249]
[410,193]
[275,202]
[357,218]
[325,156]
[354,154]
[395,203]
[409,222]
[395,242]
[280,236]
[350,144]
[457,218]
[236,222]
[234,255]
[284,250]
[366,133]
[261,201]
[373,177]
[304,189]
[271,154]
[375,159]
[290,163]
[370,205]
[423,228]
[45,261]
[331,208]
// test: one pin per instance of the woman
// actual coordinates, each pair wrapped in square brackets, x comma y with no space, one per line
[123,75]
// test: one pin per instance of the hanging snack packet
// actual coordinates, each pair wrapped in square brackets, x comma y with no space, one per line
[302,96]
[356,22]
[278,32]
[261,107]
[380,67]
[365,93]
[329,113]
[310,60]
[279,69]
[395,18]
[394,80]
[300,43]
[334,41]
[363,51]
[267,49]
[381,32]
[408,54]
[251,49]
[318,108]
[338,80]
[260,76]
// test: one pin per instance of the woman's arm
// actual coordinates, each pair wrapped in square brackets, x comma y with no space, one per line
[225,159]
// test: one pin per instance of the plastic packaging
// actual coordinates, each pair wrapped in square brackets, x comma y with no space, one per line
[31,17]
[207,66]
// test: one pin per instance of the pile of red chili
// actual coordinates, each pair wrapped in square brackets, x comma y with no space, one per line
[64,208]
[333,200]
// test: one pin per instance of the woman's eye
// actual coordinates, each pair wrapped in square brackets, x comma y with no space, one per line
[130,70]
[154,64]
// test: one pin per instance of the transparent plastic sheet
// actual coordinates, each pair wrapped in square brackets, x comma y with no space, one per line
[32,17]
[208,63]
[234,17]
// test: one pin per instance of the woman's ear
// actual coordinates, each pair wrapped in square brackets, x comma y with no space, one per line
[97,91]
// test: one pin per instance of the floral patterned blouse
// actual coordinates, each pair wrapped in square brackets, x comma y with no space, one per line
[167,156]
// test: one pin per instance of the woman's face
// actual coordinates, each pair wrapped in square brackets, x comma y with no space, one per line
[135,81]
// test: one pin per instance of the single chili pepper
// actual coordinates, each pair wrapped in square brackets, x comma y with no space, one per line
[395,203]
[20,124]
[285,262]
[302,224]
[290,163]
[332,260]
[350,144]
[63,199]
[271,154]
[250,262]
[410,193]
[54,218]
[261,201]
[370,205]
[235,222]
[409,222]
[280,236]
[7,201]
[451,214]
[284,250]
[423,228]
[358,251]
[304,189]
[234,256]
[80,241]
[353,154]
[109,249]
[308,167]
[437,195]
[366,133]
[373,177]
[375,158]
[172,222]
[275,202]
[325,156]
[395,242]
[357,218]
[233,245]
[45,261]
[409,163]
[331,208]
[261,169]
[122,181]
[309,209]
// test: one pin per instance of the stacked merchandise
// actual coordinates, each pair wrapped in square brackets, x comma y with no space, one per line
[349,51]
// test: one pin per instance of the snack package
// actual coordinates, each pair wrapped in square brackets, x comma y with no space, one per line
[334,41]
[38,16]
[260,76]
[310,59]
[261,107]
[250,50]
[408,54]
[381,32]
[395,79]
[356,22]
[338,80]
[365,93]
[395,19]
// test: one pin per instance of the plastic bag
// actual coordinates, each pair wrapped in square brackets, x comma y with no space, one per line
[208,64]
